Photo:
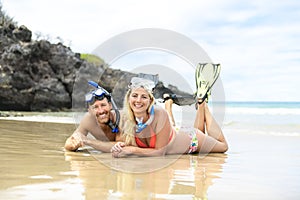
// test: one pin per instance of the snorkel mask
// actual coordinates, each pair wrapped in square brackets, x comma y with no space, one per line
[137,82]
[99,94]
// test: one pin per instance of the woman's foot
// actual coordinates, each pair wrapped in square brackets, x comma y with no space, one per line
[200,102]
[168,96]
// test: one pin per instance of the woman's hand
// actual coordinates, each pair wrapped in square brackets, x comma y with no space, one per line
[117,147]
[121,151]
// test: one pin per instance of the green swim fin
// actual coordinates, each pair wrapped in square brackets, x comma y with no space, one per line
[206,75]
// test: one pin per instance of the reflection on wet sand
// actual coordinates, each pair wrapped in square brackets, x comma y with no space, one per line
[31,152]
[35,166]
[187,176]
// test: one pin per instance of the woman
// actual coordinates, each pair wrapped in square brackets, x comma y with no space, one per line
[147,131]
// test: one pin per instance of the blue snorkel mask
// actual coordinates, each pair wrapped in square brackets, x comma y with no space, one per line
[99,94]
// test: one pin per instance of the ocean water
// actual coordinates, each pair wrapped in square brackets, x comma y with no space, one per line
[275,118]
[271,118]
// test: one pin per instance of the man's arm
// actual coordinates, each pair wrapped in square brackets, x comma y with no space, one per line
[78,139]
[74,141]
[104,146]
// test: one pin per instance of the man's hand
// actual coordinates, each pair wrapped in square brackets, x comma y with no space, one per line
[75,141]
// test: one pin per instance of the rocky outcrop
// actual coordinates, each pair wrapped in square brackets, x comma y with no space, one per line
[36,75]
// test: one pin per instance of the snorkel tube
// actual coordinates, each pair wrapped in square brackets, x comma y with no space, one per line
[113,126]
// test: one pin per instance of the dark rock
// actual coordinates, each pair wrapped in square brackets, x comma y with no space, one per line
[22,33]
[41,76]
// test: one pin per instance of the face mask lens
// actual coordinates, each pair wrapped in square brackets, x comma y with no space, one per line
[89,97]
[140,82]
[99,92]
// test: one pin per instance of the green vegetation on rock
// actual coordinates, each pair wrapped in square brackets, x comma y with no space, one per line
[92,59]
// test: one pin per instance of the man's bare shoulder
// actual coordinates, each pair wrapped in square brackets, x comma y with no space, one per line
[87,121]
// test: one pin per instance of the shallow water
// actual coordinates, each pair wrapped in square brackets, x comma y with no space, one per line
[263,162]
[34,165]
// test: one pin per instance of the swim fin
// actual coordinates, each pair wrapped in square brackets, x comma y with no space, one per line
[206,75]
[179,99]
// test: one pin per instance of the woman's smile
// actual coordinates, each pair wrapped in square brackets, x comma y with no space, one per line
[139,100]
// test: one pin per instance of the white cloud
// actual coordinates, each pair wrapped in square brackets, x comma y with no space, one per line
[255,41]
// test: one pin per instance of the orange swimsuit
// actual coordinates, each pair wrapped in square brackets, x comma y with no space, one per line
[152,139]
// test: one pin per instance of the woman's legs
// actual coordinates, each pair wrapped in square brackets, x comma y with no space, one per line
[168,107]
[200,117]
[213,128]
[180,144]
[214,141]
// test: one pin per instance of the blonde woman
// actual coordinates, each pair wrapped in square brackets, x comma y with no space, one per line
[147,130]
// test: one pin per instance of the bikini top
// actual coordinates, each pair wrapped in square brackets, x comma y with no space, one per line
[152,139]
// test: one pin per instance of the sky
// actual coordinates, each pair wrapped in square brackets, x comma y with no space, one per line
[256,42]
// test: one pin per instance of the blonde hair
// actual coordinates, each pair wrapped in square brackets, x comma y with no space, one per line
[128,122]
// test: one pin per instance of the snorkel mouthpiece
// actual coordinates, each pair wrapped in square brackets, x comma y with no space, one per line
[140,125]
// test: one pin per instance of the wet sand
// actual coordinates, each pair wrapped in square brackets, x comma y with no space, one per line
[34,165]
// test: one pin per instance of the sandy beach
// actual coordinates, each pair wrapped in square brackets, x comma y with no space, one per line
[35,166]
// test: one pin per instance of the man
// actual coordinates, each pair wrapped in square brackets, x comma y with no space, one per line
[101,121]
